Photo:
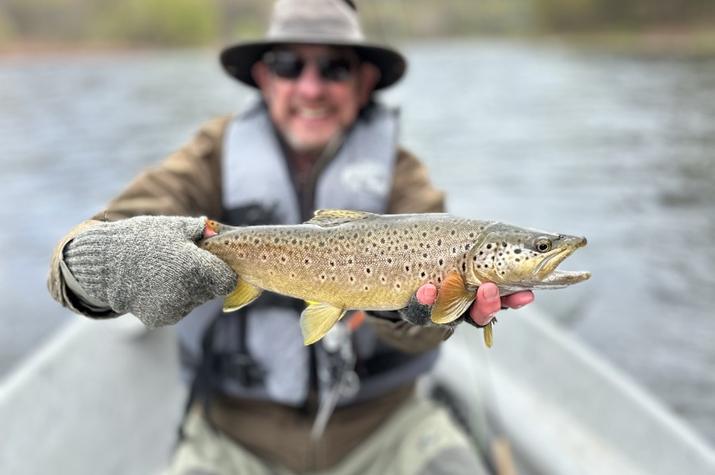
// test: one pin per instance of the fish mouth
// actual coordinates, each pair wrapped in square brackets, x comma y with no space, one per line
[556,277]
[562,278]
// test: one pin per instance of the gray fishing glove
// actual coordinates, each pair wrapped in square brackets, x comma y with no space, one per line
[149,266]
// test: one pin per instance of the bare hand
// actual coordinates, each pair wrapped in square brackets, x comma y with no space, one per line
[487,303]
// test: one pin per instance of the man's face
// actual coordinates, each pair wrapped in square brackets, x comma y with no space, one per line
[308,108]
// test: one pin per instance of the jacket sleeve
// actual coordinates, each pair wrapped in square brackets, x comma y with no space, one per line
[412,192]
[187,183]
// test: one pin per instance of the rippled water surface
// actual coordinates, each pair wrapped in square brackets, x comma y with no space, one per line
[620,149]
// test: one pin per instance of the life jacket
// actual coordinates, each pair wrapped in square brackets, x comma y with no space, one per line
[258,352]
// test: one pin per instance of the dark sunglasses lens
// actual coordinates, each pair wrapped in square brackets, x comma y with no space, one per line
[336,69]
[285,64]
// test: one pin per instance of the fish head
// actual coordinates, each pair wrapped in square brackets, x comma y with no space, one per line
[517,258]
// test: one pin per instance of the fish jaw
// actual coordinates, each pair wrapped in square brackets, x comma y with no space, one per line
[521,259]
[546,274]
[562,278]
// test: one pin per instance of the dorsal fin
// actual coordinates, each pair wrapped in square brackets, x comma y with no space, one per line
[333,217]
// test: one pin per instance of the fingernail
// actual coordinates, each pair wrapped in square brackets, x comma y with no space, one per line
[491,293]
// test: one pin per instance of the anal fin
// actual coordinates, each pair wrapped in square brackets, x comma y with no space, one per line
[453,299]
[242,295]
[317,319]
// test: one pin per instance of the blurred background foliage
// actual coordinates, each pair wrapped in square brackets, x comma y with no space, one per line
[199,22]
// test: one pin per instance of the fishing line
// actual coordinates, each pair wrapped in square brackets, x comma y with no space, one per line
[495,445]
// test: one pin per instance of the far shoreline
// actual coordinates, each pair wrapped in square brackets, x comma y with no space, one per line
[680,42]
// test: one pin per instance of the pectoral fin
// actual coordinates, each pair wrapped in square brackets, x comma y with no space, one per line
[317,319]
[243,294]
[453,299]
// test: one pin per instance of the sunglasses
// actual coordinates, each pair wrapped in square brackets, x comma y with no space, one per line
[289,65]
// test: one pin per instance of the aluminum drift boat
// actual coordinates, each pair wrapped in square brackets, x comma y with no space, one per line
[105,397]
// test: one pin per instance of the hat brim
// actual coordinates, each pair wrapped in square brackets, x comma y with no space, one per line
[237,60]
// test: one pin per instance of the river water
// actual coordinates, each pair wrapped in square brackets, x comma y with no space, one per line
[618,148]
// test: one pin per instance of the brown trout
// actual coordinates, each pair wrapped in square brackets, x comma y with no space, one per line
[344,260]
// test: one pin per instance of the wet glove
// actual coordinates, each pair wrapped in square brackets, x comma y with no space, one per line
[149,266]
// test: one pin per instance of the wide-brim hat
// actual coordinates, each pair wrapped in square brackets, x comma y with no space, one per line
[320,22]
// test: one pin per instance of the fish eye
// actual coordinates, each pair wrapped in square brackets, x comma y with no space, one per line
[543,244]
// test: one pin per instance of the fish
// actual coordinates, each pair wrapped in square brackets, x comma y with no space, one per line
[343,260]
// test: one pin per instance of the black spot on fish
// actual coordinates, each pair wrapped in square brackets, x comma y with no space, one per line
[407,268]
[423,274]
[489,246]
[441,261]
[367,270]
[517,251]
[464,266]
[471,235]
[439,242]
[389,260]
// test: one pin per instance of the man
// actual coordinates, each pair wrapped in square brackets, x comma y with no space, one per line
[261,401]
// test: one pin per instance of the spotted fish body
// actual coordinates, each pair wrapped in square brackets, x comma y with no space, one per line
[347,260]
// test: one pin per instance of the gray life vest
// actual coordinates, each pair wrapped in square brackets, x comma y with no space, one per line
[259,353]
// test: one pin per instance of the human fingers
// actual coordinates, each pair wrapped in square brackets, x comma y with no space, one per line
[427,294]
[518,300]
[487,304]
